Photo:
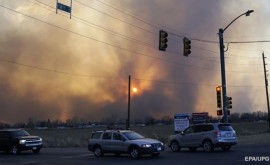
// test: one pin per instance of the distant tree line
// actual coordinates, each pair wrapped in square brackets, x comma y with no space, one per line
[113,120]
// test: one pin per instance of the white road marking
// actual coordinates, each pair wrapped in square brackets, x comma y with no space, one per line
[69,157]
[29,162]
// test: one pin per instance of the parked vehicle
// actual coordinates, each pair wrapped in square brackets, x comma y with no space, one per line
[17,140]
[123,141]
[207,136]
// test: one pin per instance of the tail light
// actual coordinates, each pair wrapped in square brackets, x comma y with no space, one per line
[217,133]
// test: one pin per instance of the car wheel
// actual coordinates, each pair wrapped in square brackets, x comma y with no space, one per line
[14,150]
[135,153]
[155,154]
[192,148]
[226,148]
[175,146]
[36,151]
[208,146]
[98,151]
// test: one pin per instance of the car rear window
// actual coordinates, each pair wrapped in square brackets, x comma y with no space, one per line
[96,135]
[225,127]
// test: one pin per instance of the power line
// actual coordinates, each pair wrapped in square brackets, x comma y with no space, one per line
[109,44]
[105,43]
[124,36]
[115,18]
[103,28]
[249,42]
[111,77]
[154,24]
[194,84]
[60,72]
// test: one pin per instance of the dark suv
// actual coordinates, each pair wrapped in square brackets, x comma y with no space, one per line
[208,136]
[124,141]
[17,140]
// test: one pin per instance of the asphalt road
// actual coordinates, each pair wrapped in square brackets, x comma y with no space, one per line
[81,156]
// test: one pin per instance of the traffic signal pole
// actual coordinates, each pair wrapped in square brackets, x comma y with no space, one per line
[223,75]
[222,62]
[266,88]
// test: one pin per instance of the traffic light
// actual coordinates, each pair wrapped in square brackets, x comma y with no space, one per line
[228,112]
[219,101]
[229,102]
[163,40]
[219,112]
[187,46]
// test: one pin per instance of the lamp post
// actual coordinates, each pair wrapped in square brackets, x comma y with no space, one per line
[222,64]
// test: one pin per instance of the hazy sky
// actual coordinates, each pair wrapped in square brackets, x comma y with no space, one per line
[55,67]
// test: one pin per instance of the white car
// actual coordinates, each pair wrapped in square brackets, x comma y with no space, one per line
[208,136]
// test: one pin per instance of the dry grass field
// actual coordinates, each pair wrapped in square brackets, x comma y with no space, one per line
[247,133]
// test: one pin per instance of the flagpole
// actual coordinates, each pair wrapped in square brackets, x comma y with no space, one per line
[56,5]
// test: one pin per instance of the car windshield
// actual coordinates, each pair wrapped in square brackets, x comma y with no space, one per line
[225,127]
[19,133]
[133,135]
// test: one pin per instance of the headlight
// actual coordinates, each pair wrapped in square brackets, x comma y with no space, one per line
[22,141]
[40,139]
[146,145]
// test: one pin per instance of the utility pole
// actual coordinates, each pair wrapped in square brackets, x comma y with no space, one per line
[266,87]
[128,119]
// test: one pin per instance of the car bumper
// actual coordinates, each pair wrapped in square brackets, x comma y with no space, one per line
[224,142]
[151,150]
[30,147]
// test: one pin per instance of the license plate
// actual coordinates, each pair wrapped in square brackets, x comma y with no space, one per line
[228,135]
[34,148]
[159,148]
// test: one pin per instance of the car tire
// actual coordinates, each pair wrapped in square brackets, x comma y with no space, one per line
[98,151]
[134,153]
[36,151]
[226,148]
[192,149]
[208,146]
[175,146]
[14,150]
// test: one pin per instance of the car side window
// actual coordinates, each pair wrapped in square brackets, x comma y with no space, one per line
[107,136]
[117,136]
[189,130]
[198,128]
[96,135]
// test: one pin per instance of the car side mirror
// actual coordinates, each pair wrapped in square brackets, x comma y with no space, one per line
[182,133]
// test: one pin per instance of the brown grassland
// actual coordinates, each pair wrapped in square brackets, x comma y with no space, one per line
[247,133]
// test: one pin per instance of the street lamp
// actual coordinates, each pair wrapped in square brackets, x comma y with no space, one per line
[222,63]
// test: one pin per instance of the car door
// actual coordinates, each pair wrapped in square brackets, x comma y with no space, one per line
[107,141]
[185,138]
[5,140]
[197,135]
[118,143]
